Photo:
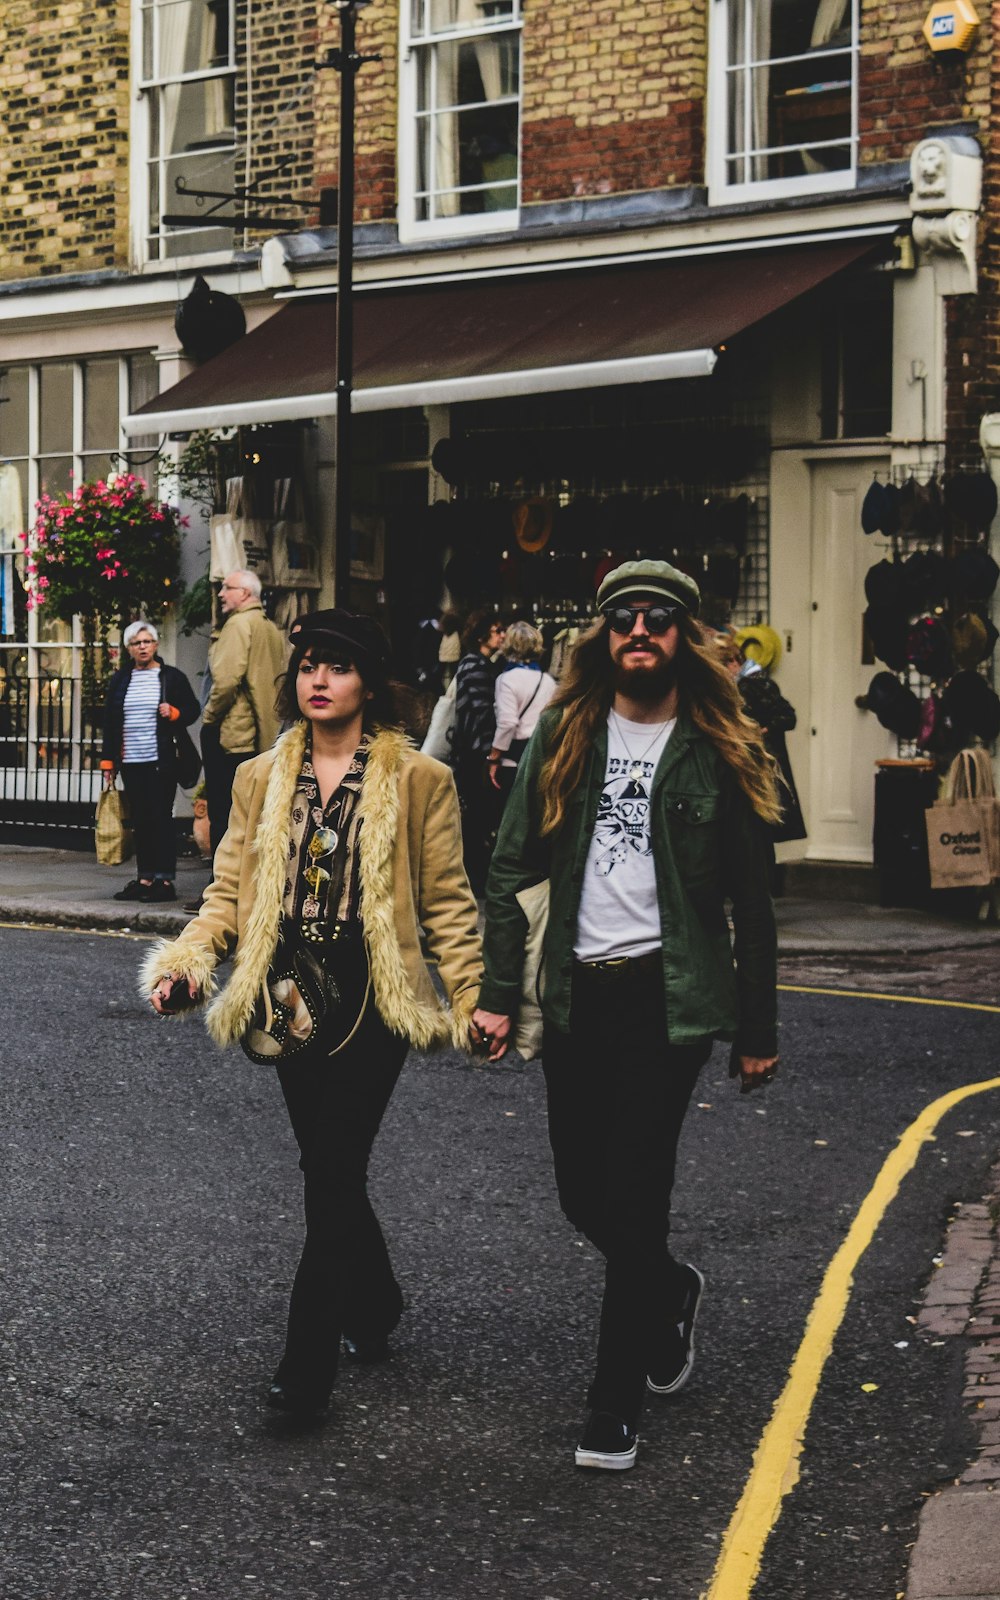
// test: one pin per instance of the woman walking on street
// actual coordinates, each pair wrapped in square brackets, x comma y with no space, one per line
[523,691]
[344,844]
[147,702]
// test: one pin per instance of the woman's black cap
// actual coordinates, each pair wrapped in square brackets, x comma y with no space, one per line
[358,636]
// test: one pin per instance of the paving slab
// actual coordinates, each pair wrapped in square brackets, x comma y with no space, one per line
[957,1554]
[70,888]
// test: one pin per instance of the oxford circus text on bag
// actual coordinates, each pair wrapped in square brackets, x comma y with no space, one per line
[112,834]
[963,826]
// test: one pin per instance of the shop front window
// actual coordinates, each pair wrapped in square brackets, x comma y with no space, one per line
[782,97]
[187,85]
[460,102]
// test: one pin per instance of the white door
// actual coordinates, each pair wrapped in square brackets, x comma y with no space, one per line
[844,741]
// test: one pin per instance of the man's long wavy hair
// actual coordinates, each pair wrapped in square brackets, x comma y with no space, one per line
[706,692]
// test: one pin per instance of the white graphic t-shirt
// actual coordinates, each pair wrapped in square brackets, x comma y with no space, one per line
[618,914]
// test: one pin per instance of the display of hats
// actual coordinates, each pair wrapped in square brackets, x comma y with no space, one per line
[974,573]
[896,707]
[469,577]
[661,519]
[759,643]
[577,525]
[908,493]
[928,648]
[722,575]
[605,565]
[930,510]
[972,640]
[884,584]
[450,459]
[880,509]
[920,508]
[887,630]
[925,579]
[872,506]
[930,722]
[732,522]
[973,707]
[972,497]
[617,521]
[532,521]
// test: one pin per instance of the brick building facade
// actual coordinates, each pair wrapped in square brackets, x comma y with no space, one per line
[517,140]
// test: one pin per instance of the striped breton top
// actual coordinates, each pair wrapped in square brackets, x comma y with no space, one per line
[142,701]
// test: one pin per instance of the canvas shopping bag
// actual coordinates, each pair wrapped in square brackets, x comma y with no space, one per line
[534,902]
[112,834]
[963,827]
[442,727]
[295,555]
[240,540]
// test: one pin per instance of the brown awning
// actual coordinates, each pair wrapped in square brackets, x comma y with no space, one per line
[481,338]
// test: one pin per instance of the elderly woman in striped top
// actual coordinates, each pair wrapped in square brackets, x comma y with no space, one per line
[146,702]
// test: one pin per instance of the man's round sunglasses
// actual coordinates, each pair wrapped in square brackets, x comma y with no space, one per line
[622,619]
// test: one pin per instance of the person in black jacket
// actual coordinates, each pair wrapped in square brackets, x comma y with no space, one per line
[147,702]
[472,740]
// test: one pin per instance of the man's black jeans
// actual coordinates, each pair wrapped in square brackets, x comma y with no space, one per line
[150,787]
[345,1281]
[617,1097]
[220,774]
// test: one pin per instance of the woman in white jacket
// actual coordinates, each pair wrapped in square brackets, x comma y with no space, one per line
[522,692]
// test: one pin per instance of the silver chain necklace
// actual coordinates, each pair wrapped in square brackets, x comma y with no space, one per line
[635,769]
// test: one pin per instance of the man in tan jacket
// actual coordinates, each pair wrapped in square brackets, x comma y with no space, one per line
[245,661]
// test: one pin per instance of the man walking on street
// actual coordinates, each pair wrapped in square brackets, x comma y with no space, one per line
[643,798]
[245,661]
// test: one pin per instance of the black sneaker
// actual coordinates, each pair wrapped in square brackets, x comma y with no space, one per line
[299,1402]
[368,1352]
[132,890]
[153,893]
[671,1367]
[607,1442]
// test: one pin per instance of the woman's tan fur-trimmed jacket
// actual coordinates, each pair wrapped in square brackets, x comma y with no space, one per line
[412,878]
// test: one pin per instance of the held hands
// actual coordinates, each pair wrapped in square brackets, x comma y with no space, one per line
[489,1031]
[753,1071]
[173,993]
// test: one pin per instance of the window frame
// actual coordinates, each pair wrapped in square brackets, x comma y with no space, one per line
[147,244]
[722,191]
[39,781]
[411,49]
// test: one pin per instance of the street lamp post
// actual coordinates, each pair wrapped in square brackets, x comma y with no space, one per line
[348,63]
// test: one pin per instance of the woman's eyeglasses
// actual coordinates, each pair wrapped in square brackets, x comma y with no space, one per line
[622,619]
[323,843]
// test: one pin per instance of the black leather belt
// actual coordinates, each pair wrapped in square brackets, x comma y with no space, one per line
[619,966]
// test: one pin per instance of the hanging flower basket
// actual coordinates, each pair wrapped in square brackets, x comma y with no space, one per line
[107,551]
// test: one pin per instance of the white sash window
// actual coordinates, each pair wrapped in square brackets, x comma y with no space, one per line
[460,112]
[782,97]
[185,70]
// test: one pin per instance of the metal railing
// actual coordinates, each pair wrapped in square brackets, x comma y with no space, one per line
[51,716]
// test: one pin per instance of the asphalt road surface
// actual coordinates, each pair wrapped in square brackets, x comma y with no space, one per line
[151,1221]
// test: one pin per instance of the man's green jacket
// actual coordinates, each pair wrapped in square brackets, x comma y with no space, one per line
[708,847]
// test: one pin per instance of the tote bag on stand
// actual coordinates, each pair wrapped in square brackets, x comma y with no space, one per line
[963,826]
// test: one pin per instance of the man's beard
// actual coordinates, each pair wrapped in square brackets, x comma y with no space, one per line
[645,683]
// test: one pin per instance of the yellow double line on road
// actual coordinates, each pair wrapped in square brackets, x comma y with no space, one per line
[775,1469]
